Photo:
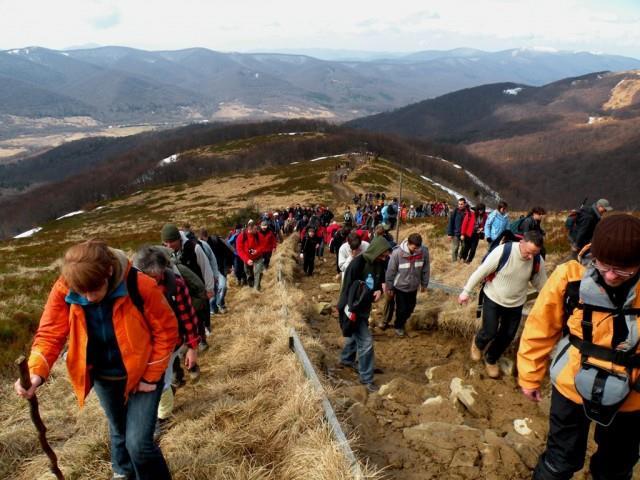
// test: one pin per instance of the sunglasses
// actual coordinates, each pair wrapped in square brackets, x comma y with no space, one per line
[605,268]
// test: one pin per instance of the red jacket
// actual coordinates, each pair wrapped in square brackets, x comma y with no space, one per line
[145,342]
[250,247]
[363,234]
[268,239]
[330,231]
[469,221]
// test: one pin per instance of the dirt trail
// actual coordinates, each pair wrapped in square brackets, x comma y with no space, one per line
[488,446]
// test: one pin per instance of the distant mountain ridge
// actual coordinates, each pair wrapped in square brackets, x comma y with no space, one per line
[572,138]
[120,84]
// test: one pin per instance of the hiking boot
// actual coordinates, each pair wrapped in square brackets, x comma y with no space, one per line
[400,332]
[222,310]
[492,370]
[476,354]
[119,476]
[383,326]
[371,387]
[203,346]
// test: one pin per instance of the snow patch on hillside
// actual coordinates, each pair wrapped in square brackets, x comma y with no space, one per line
[450,191]
[333,156]
[169,160]
[512,91]
[70,214]
[29,233]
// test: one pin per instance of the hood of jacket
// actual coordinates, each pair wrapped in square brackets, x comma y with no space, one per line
[377,247]
[117,287]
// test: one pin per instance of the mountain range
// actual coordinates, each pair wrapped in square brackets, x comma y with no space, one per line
[570,139]
[126,85]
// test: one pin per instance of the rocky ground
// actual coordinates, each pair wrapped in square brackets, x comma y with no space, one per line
[437,414]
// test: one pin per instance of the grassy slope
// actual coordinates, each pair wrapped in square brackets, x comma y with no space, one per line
[236,423]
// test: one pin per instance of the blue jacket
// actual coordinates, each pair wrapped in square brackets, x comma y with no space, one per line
[496,224]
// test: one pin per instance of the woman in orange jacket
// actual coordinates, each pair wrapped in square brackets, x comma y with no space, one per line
[121,332]
[595,366]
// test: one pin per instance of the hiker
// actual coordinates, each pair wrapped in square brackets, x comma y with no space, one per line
[101,307]
[238,264]
[586,221]
[192,255]
[155,262]
[362,286]
[472,231]
[497,222]
[506,272]
[588,315]
[268,239]
[224,258]
[308,247]
[251,250]
[454,228]
[353,247]
[532,221]
[408,271]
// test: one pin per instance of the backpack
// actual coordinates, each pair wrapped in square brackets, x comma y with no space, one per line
[516,225]
[571,222]
[347,216]
[392,211]
[133,290]
[504,258]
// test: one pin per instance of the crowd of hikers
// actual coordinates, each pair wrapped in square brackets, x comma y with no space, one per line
[133,326]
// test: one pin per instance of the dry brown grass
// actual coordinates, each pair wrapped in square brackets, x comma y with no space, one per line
[253,415]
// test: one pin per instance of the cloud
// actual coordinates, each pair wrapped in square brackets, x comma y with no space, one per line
[107,21]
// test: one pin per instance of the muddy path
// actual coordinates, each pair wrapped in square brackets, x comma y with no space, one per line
[411,428]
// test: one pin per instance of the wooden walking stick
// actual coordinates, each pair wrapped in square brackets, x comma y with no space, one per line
[25,382]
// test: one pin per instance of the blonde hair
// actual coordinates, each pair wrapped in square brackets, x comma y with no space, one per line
[87,265]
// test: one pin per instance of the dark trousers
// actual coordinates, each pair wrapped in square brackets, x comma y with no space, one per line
[267,259]
[131,426]
[617,451]
[309,262]
[403,304]
[238,270]
[469,246]
[499,328]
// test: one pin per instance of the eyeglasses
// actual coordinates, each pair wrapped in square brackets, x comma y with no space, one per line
[605,268]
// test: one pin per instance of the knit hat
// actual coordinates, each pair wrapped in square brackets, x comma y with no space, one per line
[170,233]
[616,241]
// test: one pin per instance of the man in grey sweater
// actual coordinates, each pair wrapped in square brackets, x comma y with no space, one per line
[407,271]
[506,272]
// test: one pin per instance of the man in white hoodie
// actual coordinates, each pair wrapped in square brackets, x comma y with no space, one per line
[349,250]
[408,270]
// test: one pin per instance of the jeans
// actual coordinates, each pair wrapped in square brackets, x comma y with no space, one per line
[499,328]
[217,300]
[254,273]
[455,247]
[320,251]
[308,263]
[131,427]
[469,248]
[617,451]
[360,342]
[405,304]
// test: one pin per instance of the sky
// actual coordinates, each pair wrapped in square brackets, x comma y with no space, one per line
[606,26]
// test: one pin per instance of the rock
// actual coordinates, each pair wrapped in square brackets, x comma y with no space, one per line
[490,456]
[437,374]
[330,287]
[437,401]
[506,366]
[467,395]
[322,308]
[521,426]
[364,420]
[424,318]
[465,457]
[525,448]
[442,439]
[403,391]
[358,393]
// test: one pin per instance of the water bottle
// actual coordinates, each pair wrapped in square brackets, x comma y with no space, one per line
[369,282]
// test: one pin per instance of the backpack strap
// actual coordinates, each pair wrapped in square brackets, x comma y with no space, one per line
[133,290]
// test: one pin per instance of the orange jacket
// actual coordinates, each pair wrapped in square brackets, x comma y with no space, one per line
[543,330]
[145,343]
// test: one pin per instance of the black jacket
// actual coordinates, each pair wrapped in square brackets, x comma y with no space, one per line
[586,221]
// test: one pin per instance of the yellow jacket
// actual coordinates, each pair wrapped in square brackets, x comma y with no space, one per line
[543,331]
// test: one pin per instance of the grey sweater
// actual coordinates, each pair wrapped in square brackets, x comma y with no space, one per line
[406,271]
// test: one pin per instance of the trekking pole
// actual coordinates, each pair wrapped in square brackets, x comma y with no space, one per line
[25,382]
